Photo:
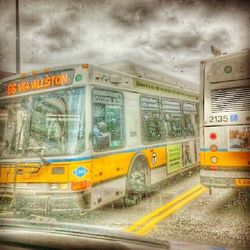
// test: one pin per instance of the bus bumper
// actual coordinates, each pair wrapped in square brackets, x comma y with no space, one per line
[225,179]
[42,202]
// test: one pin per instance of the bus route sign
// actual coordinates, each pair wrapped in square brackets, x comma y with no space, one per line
[37,82]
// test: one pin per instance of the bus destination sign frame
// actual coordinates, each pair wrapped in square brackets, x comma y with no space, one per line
[30,84]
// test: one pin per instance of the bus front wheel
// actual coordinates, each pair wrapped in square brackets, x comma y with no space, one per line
[137,182]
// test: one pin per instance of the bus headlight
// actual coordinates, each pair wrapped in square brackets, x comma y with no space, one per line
[59,186]
[54,186]
[214,159]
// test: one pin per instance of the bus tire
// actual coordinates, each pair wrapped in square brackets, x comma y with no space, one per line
[137,182]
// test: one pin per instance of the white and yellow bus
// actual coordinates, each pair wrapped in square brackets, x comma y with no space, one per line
[225,121]
[81,136]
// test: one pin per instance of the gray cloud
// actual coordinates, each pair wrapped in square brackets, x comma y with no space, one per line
[213,7]
[158,33]
[75,5]
[223,4]
[219,37]
[7,36]
[58,37]
[130,13]
[171,18]
[93,54]
[71,17]
[55,32]
[30,20]
[180,40]
[144,55]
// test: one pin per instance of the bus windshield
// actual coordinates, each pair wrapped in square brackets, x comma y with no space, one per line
[49,124]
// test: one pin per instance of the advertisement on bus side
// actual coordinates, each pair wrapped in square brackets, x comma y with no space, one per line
[239,138]
[174,154]
[188,153]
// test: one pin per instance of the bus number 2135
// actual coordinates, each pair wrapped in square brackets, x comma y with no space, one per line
[218,118]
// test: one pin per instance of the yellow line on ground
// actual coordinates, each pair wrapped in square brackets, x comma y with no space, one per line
[148,217]
[149,226]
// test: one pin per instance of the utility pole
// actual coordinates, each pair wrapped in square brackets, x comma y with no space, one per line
[18,66]
[13,202]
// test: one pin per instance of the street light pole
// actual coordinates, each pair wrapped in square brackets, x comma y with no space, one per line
[17,39]
[13,203]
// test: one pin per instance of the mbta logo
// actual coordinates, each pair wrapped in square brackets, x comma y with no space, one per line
[234,118]
[80,171]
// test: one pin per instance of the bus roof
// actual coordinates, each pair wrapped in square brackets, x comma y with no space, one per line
[150,80]
[139,70]
[123,67]
[230,55]
[229,67]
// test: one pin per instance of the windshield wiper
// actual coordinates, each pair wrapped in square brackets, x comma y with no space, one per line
[42,158]
[38,154]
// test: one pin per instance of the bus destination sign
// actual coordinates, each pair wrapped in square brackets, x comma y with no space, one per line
[37,82]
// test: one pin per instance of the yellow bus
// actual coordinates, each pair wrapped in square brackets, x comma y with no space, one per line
[225,121]
[80,136]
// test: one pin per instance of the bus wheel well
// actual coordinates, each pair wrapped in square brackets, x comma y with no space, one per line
[138,179]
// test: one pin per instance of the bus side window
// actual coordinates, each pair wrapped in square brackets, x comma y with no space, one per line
[172,116]
[108,119]
[153,127]
[188,124]
[4,142]
[190,119]
[101,137]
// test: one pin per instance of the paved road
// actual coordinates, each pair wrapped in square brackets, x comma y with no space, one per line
[219,220]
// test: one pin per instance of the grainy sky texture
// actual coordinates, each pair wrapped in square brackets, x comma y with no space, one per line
[170,36]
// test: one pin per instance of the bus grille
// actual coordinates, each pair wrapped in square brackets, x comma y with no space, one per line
[230,100]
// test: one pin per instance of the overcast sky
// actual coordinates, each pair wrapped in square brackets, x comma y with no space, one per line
[170,36]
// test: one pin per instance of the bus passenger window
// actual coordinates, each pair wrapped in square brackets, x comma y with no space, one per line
[153,128]
[172,117]
[4,143]
[108,125]
[190,120]
[188,125]
[101,138]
